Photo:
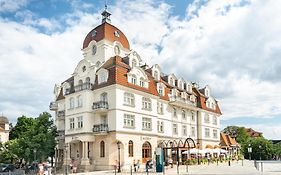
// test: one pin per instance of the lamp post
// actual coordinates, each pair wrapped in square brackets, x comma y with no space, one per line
[250,150]
[34,154]
[118,146]
[260,151]
[198,145]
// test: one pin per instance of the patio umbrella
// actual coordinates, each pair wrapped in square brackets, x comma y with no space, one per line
[191,151]
[208,150]
[202,151]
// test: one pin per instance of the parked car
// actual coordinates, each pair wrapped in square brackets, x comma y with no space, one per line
[7,167]
[32,168]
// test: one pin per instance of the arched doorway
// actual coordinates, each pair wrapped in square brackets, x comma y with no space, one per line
[146,152]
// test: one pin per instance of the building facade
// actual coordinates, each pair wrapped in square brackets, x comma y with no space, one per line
[4,129]
[112,98]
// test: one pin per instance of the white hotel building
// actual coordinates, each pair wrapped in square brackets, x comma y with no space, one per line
[111,97]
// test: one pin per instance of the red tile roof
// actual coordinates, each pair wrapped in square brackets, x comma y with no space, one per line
[106,31]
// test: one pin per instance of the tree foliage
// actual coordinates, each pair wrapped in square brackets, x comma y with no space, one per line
[32,138]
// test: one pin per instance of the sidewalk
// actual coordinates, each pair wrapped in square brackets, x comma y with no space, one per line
[236,168]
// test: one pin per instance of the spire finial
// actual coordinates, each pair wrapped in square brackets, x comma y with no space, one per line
[105,14]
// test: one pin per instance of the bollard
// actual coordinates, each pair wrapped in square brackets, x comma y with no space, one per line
[115,170]
[163,168]
[217,162]
[187,168]
[228,162]
[261,166]
[131,170]
[242,162]
[178,169]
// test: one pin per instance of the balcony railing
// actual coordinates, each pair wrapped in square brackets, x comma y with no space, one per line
[61,113]
[181,100]
[53,106]
[80,87]
[100,128]
[100,105]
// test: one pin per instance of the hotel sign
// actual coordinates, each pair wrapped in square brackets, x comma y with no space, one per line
[145,138]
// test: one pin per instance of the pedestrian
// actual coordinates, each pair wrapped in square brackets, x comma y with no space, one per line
[170,161]
[135,166]
[74,166]
[138,165]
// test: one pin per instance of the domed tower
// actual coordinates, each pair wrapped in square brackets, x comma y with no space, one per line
[105,41]
[4,129]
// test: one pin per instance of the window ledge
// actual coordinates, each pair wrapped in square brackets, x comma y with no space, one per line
[129,105]
[129,127]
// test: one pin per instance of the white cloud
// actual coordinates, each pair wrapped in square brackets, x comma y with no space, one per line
[11,5]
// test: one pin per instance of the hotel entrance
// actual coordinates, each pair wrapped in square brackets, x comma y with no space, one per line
[146,152]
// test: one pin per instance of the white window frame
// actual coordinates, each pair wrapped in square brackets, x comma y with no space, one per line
[71,103]
[207,118]
[80,122]
[215,120]
[129,99]
[184,130]
[71,123]
[129,121]
[146,123]
[146,103]
[160,126]
[160,108]
[183,113]
[215,133]
[79,101]
[175,112]
[192,131]
[207,132]
[175,128]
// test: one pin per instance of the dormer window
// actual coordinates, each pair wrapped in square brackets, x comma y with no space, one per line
[134,79]
[171,81]
[94,33]
[141,82]
[156,75]
[84,68]
[189,89]
[134,63]
[117,33]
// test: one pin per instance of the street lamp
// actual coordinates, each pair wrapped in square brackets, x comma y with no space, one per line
[260,151]
[198,145]
[249,150]
[118,146]
[34,153]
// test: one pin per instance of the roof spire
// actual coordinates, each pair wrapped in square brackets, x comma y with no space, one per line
[105,14]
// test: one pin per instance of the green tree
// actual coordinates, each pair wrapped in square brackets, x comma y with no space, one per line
[261,148]
[35,137]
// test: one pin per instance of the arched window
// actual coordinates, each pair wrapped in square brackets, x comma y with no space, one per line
[134,63]
[131,148]
[71,103]
[103,97]
[129,99]
[161,90]
[171,81]
[88,80]
[80,82]
[79,101]
[134,79]
[97,64]
[156,75]
[146,151]
[141,82]
[183,114]
[102,149]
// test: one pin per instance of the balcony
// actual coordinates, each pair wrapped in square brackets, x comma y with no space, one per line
[100,129]
[53,106]
[181,102]
[100,106]
[80,87]
[61,114]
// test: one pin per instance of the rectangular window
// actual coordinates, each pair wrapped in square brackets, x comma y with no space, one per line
[215,133]
[207,118]
[174,112]
[175,128]
[184,130]
[71,123]
[160,91]
[80,122]
[146,103]
[160,108]
[160,126]
[129,99]
[193,131]
[146,123]
[207,132]
[192,116]
[129,121]
[215,121]
[183,115]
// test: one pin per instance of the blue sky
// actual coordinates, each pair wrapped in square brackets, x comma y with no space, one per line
[232,45]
